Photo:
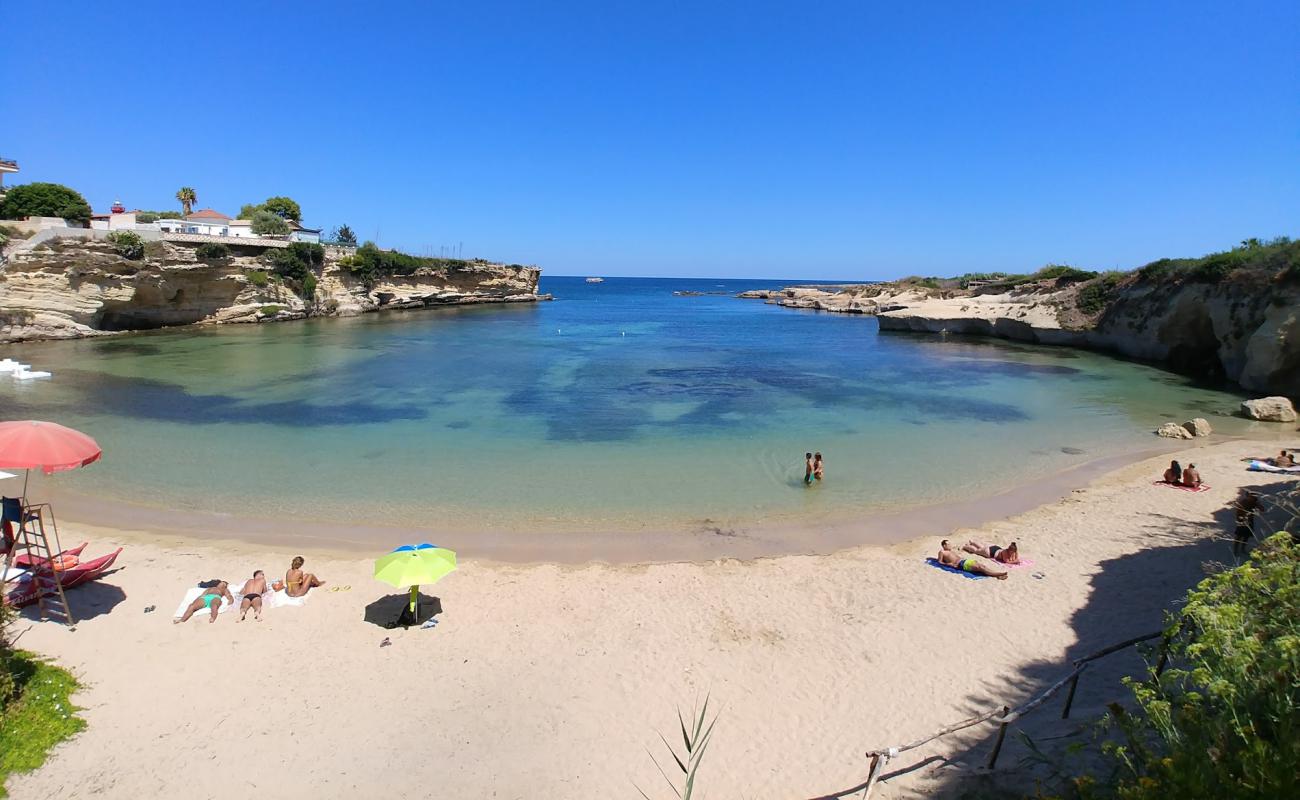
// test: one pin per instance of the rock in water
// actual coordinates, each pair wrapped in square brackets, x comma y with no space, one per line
[1269,409]
[1198,427]
[1172,430]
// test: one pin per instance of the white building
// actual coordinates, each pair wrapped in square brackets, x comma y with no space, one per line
[206,222]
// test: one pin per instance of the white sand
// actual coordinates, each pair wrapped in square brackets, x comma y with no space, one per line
[551,682]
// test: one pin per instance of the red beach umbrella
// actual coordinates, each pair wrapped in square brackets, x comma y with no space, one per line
[47,446]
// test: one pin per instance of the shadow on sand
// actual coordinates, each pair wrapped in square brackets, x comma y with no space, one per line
[1128,597]
[387,612]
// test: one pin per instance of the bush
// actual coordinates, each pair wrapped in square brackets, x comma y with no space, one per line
[209,251]
[1063,273]
[370,262]
[40,713]
[128,244]
[8,680]
[1223,720]
[13,232]
[256,277]
[270,310]
[267,224]
[297,263]
[1094,296]
[44,200]
[154,216]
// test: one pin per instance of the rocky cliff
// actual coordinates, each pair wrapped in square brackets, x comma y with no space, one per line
[73,287]
[1245,328]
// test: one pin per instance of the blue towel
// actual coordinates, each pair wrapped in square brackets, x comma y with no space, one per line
[935,563]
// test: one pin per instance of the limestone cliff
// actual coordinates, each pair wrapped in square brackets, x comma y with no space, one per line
[74,287]
[1245,328]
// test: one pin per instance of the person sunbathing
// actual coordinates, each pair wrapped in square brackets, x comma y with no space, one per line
[297,582]
[1191,478]
[951,558]
[1174,474]
[1003,555]
[210,599]
[252,593]
[1283,459]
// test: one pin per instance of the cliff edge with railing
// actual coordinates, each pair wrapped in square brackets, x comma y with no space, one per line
[92,282]
[1232,315]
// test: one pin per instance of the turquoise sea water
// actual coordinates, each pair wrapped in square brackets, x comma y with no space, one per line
[617,406]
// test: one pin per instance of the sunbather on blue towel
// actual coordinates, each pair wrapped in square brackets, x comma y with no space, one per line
[976,566]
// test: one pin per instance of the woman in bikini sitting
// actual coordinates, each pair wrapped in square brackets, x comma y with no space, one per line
[210,599]
[951,558]
[253,590]
[297,582]
[1174,474]
[1003,555]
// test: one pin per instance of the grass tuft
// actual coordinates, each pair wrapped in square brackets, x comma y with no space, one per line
[39,717]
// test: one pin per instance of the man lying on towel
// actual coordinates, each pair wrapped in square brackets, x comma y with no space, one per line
[951,558]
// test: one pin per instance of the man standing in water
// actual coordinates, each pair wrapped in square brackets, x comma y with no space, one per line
[818,467]
[807,469]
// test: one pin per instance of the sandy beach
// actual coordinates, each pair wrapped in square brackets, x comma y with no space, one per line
[553,681]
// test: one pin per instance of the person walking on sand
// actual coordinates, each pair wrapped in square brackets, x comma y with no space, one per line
[951,558]
[297,582]
[1191,478]
[252,593]
[818,466]
[210,599]
[807,469]
[1245,509]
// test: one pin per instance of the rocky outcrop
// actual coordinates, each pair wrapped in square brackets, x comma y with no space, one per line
[1269,409]
[1246,330]
[1198,427]
[69,288]
[1172,430]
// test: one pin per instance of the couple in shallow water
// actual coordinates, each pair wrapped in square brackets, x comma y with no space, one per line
[296,584]
[1003,555]
[812,468]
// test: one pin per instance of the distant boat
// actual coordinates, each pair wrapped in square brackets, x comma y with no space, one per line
[595,280]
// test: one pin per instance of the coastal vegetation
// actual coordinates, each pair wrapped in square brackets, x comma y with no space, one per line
[36,711]
[211,251]
[127,244]
[44,200]
[187,197]
[267,224]
[298,264]
[370,262]
[344,235]
[257,277]
[145,217]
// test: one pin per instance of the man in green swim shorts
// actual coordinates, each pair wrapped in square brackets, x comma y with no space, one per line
[211,600]
[976,566]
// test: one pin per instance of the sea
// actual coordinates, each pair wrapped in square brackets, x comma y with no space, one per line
[618,406]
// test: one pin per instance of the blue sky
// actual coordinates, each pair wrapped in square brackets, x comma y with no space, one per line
[811,140]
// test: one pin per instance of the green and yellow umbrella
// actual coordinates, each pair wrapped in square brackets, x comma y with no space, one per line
[414,564]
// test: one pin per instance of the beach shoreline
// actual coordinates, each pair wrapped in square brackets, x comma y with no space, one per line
[813,657]
[692,540]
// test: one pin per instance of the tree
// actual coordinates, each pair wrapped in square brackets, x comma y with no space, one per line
[284,208]
[267,224]
[44,200]
[344,235]
[187,198]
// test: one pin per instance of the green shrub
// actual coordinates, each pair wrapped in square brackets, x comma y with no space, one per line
[1224,720]
[1096,295]
[267,224]
[256,277]
[128,244]
[44,200]
[369,262]
[154,216]
[1063,273]
[8,679]
[39,716]
[270,310]
[209,251]
[297,263]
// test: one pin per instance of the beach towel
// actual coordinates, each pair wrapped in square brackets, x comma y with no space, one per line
[193,594]
[934,562]
[1024,562]
[1264,466]
[281,600]
[1198,489]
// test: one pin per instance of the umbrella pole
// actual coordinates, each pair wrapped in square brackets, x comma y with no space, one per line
[415,602]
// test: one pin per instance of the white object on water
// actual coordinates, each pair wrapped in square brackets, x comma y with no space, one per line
[9,365]
[27,374]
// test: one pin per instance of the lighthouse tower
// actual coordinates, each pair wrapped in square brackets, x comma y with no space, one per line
[117,207]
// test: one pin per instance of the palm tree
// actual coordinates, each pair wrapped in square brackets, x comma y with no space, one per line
[188,198]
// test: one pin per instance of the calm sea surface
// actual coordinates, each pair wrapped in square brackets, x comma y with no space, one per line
[617,406]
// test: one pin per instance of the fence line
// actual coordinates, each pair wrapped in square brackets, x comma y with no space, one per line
[1005,715]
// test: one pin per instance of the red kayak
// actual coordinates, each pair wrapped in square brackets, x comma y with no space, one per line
[25,593]
[26,561]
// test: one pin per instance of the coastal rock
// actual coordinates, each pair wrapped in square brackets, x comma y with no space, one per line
[1172,430]
[1269,409]
[75,287]
[1198,427]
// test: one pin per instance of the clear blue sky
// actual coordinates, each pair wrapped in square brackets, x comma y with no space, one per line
[799,140]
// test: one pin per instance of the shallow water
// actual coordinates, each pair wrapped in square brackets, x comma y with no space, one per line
[618,406]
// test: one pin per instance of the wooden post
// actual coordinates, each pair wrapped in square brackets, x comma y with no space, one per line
[1002,733]
[877,763]
[1069,698]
